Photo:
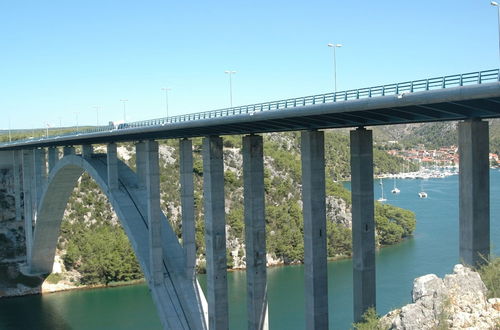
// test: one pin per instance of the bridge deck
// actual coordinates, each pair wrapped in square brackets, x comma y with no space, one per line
[458,97]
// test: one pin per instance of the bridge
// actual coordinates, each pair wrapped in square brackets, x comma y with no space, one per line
[168,265]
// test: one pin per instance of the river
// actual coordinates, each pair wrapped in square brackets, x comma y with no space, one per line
[433,249]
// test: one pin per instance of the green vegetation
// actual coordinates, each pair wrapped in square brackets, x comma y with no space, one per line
[369,321]
[490,274]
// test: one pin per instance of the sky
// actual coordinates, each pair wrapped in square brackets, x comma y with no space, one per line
[59,60]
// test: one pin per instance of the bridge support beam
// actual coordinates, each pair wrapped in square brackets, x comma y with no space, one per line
[215,233]
[315,257]
[53,157]
[187,204]
[140,163]
[87,150]
[40,175]
[154,212]
[363,224]
[68,150]
[474,192]
[16,163]
[28,171]
[112,159]
[255,232]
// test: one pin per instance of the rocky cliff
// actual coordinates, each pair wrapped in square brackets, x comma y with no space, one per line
[457,301]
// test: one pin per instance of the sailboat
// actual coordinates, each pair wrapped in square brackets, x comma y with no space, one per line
[395,190]
[422,193]
[382,199]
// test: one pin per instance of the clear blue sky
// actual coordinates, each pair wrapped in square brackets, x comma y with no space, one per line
[62,57]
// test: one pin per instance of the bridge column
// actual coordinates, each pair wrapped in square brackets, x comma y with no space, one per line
[187,203]
[87,150]
[40,174]
[53,157]
[112,166]
[315,257]
[215,233]
[255,232]
[68,150]
[28,170]
[363,224]
[154,212]
[16,163]
[474,191]
[140,163]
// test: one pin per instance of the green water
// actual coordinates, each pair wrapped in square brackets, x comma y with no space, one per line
[433,249]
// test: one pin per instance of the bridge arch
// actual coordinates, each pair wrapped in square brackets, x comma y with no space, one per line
[179,299]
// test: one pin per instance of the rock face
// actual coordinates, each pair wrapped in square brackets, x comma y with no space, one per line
[456,302]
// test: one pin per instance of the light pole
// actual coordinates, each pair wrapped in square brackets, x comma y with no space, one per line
[76,115]
[334,64]
[124,112]
[10,136]
[230,73]
[496,4]
[97,113]
[166,89]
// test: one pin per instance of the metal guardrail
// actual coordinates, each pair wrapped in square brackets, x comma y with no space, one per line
[471,78]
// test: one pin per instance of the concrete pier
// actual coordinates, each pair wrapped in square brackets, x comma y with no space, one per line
[28,201]
[187,204]
[87,150]
[53,157]
[215,233]
[315,257]
[140,163]
[112,166]
[68,150]
[363,224]
[474,192]
[16,166]
[154,211]
[255,232]
[39,179]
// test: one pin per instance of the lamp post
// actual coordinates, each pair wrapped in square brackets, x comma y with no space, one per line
[76,115]
[124,111]
[334,63]
[97,113]
[496,4]
[166,89]
[230,73]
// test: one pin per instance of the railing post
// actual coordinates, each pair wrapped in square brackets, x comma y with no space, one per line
[215,233]
[363,224]
[255,232]
[314,208]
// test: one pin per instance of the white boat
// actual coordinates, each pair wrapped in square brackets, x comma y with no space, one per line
[422,193]
[395,190]
[382,199]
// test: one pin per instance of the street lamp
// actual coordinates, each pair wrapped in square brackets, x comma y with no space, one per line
[496,4]
[166,89]
[97,113]
[334,63]
[76,115]
[230,73]
[124,112]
